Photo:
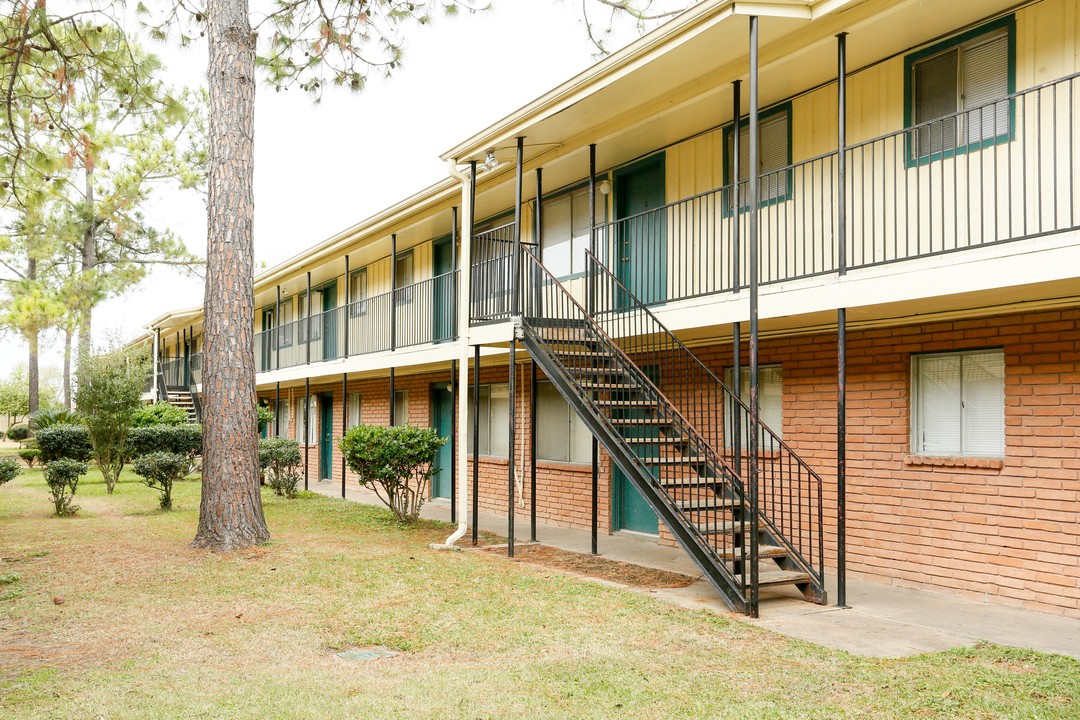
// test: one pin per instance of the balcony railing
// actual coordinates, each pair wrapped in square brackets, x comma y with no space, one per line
[492,274]
[420,313]
[1001,172]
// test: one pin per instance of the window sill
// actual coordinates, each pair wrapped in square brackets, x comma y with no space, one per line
[962,462]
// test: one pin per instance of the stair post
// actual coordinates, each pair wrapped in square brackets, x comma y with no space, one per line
[753,195]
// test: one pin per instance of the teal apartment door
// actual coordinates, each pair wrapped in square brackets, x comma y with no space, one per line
[629,509]
[641,254]
[266,344]
[326,436]
[442,420]
[329,320]
[442,301]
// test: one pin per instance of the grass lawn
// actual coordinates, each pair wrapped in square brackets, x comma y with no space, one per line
[148,628]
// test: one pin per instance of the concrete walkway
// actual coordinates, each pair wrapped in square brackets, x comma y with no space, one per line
[882,620]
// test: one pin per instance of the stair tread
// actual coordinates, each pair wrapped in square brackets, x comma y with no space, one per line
[657,440]
[782,577]
[639,421]
[627,403]
[608,386]
[688,460]
[689,481]
[765,552]
[691,505]
[721,528]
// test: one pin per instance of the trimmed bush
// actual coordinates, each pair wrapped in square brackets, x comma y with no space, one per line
[265,416]
[280,458]
[29,455]
[18,432]
[70,442]
[62,477]
[395,462]
[9,470]
[159,413]
[160,470]
[47,418]
[178,439]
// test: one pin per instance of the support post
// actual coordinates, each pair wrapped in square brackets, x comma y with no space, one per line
[753,196]
[595,525]
[476,442]
[157,365]
[393,403]
[736,250]
[513,449]
[515,268]
[453,277]
[277,329]
[307,410]
[590,272]
[393,296]
[453,432]
[277,405]
[307,338]
[532,450]
[348,308]
[841,328]
[344,418]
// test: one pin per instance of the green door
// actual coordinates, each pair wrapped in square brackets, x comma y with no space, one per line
[641,255]
[442,300]
[329,320]
[266,343]
[629,509]
[326,436]
[442,419]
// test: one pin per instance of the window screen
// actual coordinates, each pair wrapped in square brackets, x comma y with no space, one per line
[565,231]
[494,415]
[401,407]
[770,399]
[560,433]
[354,409]
[959,404]
[775,153]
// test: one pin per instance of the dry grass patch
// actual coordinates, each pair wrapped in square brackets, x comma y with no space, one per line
[597,567]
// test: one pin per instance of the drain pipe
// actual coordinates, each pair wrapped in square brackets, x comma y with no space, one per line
[468,197]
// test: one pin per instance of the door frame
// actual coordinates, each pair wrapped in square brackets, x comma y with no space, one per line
[443,293]
[328,293]
[326,435]
[440,395]
[621,267]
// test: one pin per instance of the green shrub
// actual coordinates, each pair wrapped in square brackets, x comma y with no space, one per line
[266,416]
[395,462]
[159,413]
[70,442]
[47,418]
[18,432]
[280,458]
[9,470]
[62,477]
[179,439]
[30,455]
[160,470]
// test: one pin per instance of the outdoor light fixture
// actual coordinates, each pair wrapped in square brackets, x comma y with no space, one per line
[490,162]
[605,187]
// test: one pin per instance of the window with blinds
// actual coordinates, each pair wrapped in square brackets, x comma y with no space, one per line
[958,404]
[401,407]
[770,399]
[281,419]
[494,419]
[560,434]
[965,86]
[353,410]
[774,154]
[306,420]
[358,292]
[565,231]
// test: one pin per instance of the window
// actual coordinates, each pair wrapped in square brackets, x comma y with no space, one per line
[401,407]
[774,143]
[770,399]
[354,410]
[285,331]
[494,416]
[958,404]
[302,315]
[968,75]
[358,292]
[560,433]
[403,278]
[306,419]
[565,231]
[281,419]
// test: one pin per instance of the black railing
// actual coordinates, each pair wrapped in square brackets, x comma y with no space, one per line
[420,313]
[174,372]
[196,369]
[492,274]
[789,490]
[1000,172]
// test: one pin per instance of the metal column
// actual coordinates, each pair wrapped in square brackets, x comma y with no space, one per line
[307,410]
[841,326]
[476,445]
[752,201]
[344,421]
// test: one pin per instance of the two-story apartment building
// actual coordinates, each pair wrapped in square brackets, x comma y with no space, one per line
[698,266]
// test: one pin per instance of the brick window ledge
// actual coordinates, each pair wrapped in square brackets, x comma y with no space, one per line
[962,462]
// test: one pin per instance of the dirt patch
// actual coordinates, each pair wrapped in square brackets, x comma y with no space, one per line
[597,567]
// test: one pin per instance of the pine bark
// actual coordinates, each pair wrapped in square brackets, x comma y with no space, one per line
[89,262]
[231,514]
[67,366]
[33,375]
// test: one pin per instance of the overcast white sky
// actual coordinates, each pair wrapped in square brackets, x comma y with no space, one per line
[321,168]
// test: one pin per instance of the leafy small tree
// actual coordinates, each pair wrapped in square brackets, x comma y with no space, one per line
[9,470]
[62,477]
[265,416]
[161,470]
[18,432]
[64,442]
[47,418]
[395,462]
[29,455]
[280,457]
[159,413]
[109,392]
[15,395]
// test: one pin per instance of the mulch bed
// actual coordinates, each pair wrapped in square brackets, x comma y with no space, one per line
[597,567]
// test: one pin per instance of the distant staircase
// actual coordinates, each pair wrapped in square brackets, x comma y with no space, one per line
[680,436]
[185,400]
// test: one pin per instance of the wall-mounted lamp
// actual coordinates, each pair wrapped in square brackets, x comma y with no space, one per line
[490,162]
[605,187]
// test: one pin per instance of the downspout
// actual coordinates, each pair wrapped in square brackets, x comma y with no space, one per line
[463,305]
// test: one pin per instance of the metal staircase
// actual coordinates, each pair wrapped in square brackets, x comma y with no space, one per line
[680,436]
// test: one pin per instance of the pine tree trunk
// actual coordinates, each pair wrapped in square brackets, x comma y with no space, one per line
[89,262]
[67,367]
[32,371]
[231,514]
